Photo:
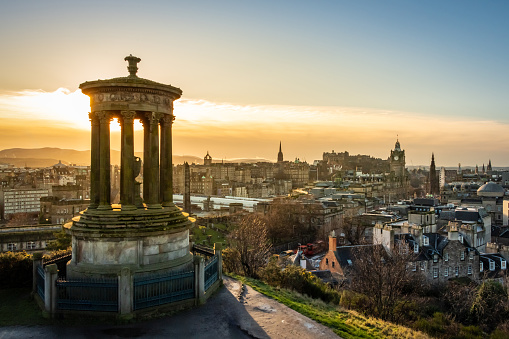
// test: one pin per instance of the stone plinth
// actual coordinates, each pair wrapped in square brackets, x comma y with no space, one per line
[143,240]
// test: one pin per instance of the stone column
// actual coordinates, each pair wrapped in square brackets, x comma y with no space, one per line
[218,251]
[151,160]
[104,154]
[36,262]
[127,160]
[50,288]
[125,293]
[94,163]
[166,171]
[199,279]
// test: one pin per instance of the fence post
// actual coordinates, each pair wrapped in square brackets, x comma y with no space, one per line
[37,261]
[199,279]
[125,293]
[50,288]
[218,253]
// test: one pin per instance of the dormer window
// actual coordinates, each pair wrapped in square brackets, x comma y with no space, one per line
[425,240]
[416,248]
[492,265]
[503,264]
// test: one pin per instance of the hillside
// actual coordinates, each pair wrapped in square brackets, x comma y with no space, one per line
[48,156]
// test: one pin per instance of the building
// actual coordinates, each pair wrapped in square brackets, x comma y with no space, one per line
[15,201]
[397,164]
[27,238]
[434,187]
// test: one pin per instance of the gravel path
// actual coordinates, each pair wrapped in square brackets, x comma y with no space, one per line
[237,311]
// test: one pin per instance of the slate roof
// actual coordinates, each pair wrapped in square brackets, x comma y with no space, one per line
[325,276]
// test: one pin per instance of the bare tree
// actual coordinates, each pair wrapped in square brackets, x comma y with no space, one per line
[249,239]
[383,277]
[289,220]
[354,229]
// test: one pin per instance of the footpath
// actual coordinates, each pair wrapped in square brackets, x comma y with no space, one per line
[236,311]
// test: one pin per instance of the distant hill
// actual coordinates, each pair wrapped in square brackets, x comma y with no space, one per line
[49,156]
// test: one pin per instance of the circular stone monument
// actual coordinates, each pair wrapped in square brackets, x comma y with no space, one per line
[145,236]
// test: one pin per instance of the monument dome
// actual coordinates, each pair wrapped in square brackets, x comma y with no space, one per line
[491,189]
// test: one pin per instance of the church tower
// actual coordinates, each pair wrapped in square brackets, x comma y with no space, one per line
[397,162]
[434,187]
[280,154]
[207,160]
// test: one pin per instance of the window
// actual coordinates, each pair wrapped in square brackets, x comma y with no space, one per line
[462,256]
[414,266]
[426,240]
[435,272]
[11,247]
[435,258]
[423,265]
[30,245]
[469,270]
[416,248]
[481,267]
[471,255]
[446,256]
[492,265]
[326,261]
[503,264]
[446,272]
[333,264]
[460,238]
[456,271]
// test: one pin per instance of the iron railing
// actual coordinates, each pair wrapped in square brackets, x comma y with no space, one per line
[157,290]
[211,272]
[40,278]
[88,295]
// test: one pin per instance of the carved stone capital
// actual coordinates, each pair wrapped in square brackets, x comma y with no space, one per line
[93,118]
[152,117]
[167,119]
[128,115]
[103,116]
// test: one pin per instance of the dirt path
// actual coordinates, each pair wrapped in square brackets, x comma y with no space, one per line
[274,319]
[233,312]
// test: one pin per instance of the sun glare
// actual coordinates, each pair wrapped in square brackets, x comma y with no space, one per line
[62,107]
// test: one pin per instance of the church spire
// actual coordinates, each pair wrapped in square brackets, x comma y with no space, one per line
[280,154]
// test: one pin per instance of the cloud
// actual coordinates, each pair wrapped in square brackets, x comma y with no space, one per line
[60,119]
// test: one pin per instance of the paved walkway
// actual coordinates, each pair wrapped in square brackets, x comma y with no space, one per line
[223,316]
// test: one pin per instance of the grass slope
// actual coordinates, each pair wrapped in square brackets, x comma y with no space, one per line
[345,323]
[17,308]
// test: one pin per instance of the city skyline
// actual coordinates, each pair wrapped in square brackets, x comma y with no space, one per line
[335,76]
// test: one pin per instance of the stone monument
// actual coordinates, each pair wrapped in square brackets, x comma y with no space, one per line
[145,236]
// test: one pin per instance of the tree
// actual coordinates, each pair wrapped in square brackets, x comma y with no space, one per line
[249,239]
[62,241]
[384,278]
[289,220]
[354,229]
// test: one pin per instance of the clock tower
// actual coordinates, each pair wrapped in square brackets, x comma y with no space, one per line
[397,162]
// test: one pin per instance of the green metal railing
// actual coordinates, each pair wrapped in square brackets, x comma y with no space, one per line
[88,295]
[163,289]
[211,272]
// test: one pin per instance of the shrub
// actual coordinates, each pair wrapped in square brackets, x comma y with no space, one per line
[15,269]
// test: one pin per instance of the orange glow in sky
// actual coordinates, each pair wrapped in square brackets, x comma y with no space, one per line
[236,131]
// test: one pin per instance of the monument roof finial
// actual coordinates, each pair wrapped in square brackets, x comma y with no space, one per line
[133,65]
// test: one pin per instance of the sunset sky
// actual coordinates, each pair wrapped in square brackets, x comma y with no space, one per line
[317,75]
